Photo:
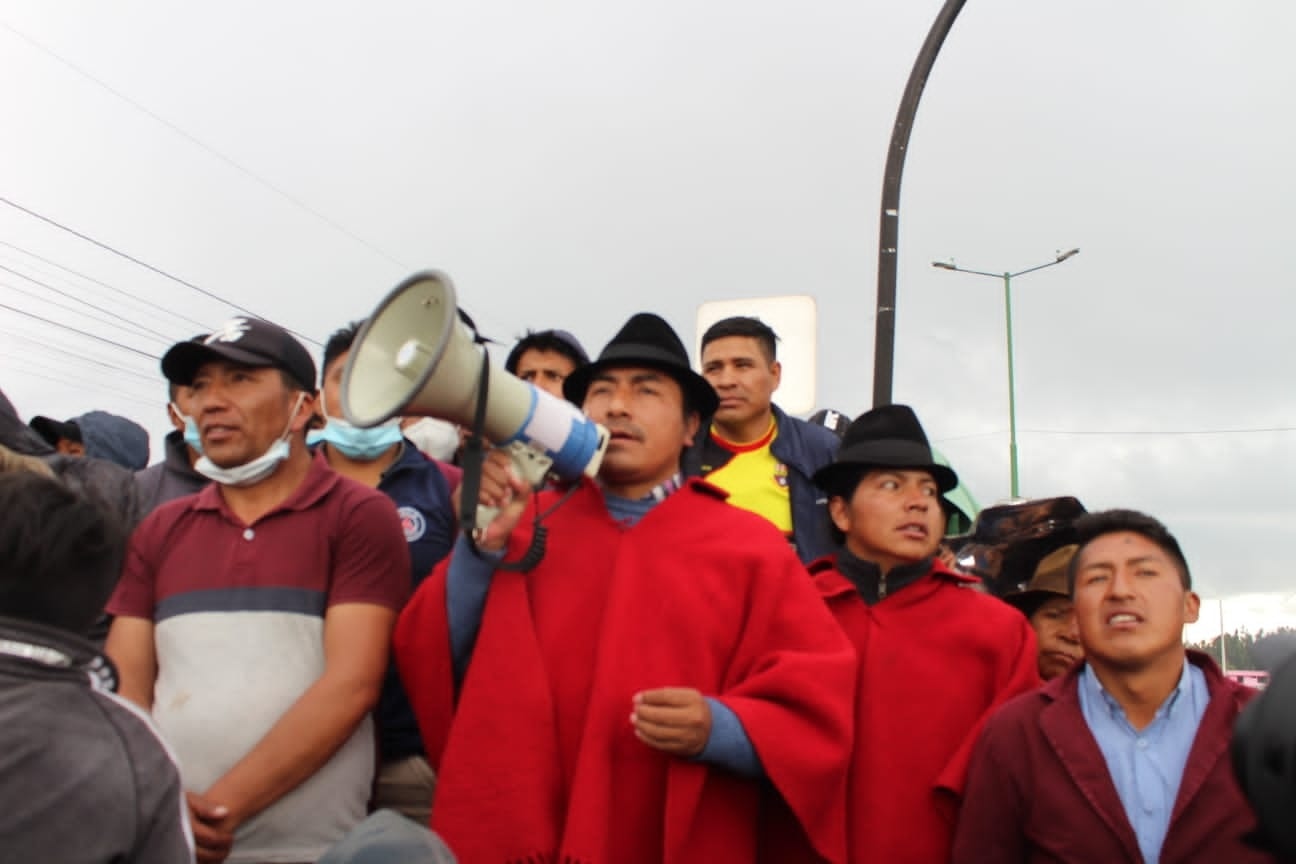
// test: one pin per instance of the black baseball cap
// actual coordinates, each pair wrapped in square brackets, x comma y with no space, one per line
[246,341]
[52,431]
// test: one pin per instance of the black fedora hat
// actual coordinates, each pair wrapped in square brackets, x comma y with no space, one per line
[647,340]
[889,436]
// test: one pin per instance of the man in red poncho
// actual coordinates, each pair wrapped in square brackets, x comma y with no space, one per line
[935,656]
[661,682]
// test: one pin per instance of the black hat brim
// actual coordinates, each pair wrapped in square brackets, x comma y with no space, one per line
[896,453]
[698,392]
[181,363]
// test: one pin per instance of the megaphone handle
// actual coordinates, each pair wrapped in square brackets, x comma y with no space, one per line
[531,466]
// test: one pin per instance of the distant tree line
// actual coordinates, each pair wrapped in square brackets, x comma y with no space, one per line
[1246,650]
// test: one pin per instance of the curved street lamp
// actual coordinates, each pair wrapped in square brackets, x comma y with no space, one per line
[1012,387]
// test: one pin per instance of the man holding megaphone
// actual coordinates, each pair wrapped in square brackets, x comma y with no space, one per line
[662,681]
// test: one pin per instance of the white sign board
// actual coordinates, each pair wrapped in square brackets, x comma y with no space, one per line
[795,320]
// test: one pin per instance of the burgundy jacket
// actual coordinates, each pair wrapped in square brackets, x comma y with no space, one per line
[1039,789]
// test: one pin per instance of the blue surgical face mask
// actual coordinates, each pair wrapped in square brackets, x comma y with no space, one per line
[251,473]
[191,436]
[364,445]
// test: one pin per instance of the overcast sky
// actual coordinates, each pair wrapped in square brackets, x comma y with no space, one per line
[570,163]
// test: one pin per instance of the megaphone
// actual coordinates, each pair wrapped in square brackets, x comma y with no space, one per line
[415,356]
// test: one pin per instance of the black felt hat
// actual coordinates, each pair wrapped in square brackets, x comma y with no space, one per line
[245,341]
[886,437]
[647,340]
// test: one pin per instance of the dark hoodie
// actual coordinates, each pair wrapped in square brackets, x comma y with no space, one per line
[110,484]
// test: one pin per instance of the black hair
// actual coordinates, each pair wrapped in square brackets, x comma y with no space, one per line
[338,344]
[60,552]
[842,485]
[742,325]
[557,341]
[1091,526]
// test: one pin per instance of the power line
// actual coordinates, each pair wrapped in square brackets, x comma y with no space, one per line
[72,309]
[148,266]
[81,385]
[209,149]
[63,326]
[77,356]
[204,327]
[164,337]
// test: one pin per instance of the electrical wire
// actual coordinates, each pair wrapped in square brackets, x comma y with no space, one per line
[208,148]
[167,340]
[75,311]
[69,328]
[147,266]
[45,346]
[204,327]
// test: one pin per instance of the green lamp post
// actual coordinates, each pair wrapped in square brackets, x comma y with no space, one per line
[1012,386]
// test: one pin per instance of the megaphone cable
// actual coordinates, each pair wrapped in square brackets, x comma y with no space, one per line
[474,456]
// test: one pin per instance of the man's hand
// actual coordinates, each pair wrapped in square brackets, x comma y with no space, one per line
[502,489]
[212,828]
[674,720]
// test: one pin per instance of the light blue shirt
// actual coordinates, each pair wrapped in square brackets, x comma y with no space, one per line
[1146,766]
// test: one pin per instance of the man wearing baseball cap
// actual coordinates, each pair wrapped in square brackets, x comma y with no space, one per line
[253,618]
[935,656]
[630,697]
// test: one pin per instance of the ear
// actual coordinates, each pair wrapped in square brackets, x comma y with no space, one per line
[1192,606]
[692,421]
[176,422]
[306,411]
[777,368]
[839,512]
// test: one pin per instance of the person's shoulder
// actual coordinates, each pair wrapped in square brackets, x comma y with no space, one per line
[1022,711]
[819,442]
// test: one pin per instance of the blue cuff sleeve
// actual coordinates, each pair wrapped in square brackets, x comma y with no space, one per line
[468,581]
[729,747]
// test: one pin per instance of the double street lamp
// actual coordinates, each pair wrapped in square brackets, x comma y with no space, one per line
[1012,394]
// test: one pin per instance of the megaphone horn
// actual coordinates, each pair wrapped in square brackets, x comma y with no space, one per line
[415,357]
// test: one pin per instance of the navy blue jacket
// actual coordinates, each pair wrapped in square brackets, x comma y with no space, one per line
[804,448]
[422,498]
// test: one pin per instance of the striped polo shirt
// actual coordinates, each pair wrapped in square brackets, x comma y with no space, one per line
[239,620]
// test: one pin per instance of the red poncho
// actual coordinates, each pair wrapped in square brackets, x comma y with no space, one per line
[936,659]
[538,760]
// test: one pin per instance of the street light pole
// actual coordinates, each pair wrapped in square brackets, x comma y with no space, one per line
[1007,278]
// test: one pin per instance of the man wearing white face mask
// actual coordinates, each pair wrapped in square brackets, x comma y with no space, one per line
[175,476]
[381,458]
[253,618]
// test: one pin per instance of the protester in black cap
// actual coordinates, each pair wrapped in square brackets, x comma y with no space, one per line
[755,451]
[175,476]
[97,479]
[63,435]
[935,657]
[628,697]
[253,619]
[99,435]
[546,358]
[84,777]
